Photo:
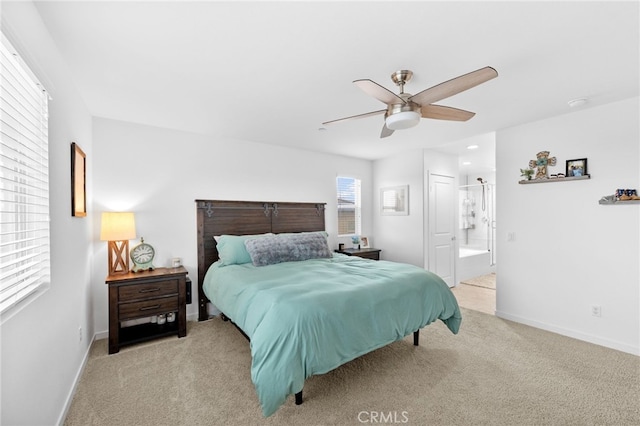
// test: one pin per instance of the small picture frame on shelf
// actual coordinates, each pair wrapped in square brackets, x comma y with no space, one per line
[364,242]
[577,168]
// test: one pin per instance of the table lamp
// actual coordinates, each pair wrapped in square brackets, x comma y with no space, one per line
[118,228]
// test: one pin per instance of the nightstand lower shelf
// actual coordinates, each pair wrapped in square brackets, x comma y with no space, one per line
[144,332]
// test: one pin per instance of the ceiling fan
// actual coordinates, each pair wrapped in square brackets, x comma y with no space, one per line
[404,110]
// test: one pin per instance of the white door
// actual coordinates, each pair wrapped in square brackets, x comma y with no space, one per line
[442,227]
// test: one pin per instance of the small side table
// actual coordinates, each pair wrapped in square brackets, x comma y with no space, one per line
[145,294]
[367,253]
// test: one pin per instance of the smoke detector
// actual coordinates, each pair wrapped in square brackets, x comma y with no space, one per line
[575,103]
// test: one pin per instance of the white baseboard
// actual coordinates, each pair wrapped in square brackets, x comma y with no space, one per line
[612,344]
[76,380]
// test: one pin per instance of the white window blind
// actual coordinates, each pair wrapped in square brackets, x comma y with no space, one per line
[24,181]
[349,206]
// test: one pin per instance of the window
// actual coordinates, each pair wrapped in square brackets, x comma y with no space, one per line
[24,181]
[349,206]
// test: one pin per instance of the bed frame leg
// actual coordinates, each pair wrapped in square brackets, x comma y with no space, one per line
[416,338]
[299,398]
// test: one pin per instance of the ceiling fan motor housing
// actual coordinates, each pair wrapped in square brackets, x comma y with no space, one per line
[402,116]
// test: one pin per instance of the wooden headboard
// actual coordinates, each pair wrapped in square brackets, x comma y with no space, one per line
[216,217]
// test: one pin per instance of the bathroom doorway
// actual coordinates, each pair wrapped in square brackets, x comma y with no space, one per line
[476,245]
[476,263]
[476,239]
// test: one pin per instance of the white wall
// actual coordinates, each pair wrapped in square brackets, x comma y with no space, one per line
[159,173]
[41,351]
[570,252]
[400,237]
[405,238]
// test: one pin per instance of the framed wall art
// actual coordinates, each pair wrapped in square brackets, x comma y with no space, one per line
[577,167]
[394,200]
[78,181]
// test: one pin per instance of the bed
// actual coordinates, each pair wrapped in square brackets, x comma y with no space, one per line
[311,310]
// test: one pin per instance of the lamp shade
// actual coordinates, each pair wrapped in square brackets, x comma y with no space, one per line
[117,226]
[402,120]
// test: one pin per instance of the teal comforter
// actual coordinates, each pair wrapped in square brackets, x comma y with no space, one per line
[309,317]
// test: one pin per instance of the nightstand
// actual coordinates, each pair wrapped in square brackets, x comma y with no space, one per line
[367,253]
[145,294]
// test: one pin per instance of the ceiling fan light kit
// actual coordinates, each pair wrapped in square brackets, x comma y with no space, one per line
[402,120]
[405,110]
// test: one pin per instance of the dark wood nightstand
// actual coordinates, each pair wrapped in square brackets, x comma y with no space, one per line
[367,253]
[145,294]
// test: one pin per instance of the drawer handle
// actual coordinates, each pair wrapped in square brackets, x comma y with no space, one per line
[149,290]
[148,308]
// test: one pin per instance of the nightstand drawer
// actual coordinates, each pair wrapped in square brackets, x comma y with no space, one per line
[375,255]
[145,291]
[147,308]
[366,253]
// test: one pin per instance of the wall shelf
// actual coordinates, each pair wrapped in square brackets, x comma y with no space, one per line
[549,180]
[610,200]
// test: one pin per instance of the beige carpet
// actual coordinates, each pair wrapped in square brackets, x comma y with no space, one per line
[477,298]
[486,281]
[494,372]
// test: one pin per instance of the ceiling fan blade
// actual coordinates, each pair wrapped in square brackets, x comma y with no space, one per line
[381,93]
[454,86]
[386,132]
[353,117]
[440,112]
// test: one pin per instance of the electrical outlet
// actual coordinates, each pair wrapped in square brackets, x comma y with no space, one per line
[80,333]
[511,236]
[596,310]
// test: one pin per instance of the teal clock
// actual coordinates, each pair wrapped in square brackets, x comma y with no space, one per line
[142,256]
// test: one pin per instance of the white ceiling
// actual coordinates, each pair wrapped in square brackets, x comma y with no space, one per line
[272,72]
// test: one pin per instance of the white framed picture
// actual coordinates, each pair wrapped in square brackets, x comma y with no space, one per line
[394,200]
[364,242]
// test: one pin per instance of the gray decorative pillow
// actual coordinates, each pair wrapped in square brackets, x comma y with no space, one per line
[287,248]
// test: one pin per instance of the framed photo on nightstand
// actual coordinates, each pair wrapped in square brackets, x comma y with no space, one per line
[364,242]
